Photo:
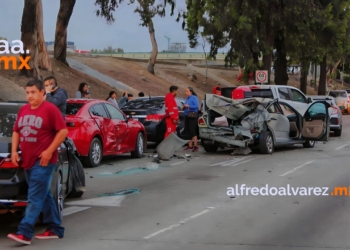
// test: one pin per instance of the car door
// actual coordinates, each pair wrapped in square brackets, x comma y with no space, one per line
[316,122]
[106,126]
[279,123]
[64,161]
[300,102]
[120,129]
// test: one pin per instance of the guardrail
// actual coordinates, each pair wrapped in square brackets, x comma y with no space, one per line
[161,56]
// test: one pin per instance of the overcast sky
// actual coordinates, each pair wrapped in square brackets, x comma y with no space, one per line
[89,31]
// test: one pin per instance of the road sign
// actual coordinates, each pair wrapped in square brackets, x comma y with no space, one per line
[261,76]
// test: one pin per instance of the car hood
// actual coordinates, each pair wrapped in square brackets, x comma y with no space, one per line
[233,109]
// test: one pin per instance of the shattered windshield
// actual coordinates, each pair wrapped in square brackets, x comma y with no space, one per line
[8,116]
[145,103]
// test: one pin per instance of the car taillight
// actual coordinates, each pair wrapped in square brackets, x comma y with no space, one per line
[254,87]
[201,121]
[335,111]
[154,118]
[74,123]
[7,163]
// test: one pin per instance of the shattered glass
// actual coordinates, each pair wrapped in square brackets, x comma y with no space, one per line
[155,103]
[7,121]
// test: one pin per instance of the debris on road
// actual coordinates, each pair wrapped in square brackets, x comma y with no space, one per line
[241,151]
[169,146]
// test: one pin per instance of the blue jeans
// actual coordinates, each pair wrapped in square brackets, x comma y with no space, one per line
[40,200]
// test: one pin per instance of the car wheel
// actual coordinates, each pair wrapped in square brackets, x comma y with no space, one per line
[210,148]
[309,144]
[337,132]
[58,195]
[139,146]
[76,193]
[95,154]
[266,143]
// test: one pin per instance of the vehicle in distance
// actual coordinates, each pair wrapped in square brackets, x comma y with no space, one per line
[13,186]
[342,99]
[98,128]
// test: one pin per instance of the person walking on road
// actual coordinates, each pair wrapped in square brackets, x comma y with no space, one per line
[111,98]
[55,94]
[191,108]
[39,130]
[171,111]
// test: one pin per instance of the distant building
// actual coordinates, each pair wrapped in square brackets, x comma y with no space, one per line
[178,47]
[70,46]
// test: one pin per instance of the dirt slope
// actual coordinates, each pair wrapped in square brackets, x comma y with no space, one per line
[68,79]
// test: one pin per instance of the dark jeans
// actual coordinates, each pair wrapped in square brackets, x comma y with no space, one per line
[40,200]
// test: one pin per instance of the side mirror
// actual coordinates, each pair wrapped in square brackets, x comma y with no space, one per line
[309,100]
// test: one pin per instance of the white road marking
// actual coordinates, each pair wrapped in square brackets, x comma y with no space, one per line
[180,223]
[108,201]
[291,171]
[248,160]
[72,210]
[234,162]
[177,163]
[340,147]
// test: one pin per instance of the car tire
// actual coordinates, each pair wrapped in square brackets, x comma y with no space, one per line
[75,193]
[139,146]
[337,132]
[210,148]
[309,144]
[95,154]
[266,143]
[58,195]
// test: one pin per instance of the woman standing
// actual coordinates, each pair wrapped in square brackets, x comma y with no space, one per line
[82,91]
[111,98]
[191,107]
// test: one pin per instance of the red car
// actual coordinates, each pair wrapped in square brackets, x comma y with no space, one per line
[98,128]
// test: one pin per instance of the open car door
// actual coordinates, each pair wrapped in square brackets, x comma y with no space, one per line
[316,124]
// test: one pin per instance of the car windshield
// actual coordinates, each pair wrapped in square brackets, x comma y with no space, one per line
[338,94]
[8,116]
[145,103]
[73,108]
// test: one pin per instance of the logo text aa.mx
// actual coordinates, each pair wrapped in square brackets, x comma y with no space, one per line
[17,48]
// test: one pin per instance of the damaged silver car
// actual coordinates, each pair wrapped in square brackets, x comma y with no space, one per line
[261,123]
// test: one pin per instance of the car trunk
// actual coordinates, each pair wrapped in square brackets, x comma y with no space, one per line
[137,114]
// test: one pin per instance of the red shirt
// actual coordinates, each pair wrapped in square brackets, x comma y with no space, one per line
[171,109]
[37,129]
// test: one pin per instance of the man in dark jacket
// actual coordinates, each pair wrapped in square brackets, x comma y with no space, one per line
[55,94]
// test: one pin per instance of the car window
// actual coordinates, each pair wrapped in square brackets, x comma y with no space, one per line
[284,93]
[298,96]
[114,112]
[8,116]
[178,103]
[316,109]
[286,110]
[273,109]
[336,94]
[99,110]
[73,108]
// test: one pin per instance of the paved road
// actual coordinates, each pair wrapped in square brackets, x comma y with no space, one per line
[183,204]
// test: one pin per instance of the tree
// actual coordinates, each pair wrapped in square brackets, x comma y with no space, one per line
[29,37]
[147,10]
[63,17]
[205,57]
[43,57]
